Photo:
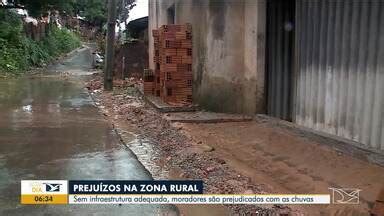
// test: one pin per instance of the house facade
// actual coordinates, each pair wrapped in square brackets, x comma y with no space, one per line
[316,63]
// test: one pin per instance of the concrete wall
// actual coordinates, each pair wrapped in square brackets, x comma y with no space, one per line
[228,50]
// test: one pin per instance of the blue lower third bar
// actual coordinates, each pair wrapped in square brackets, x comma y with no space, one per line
[134,187]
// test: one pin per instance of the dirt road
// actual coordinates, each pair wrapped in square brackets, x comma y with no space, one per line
[284,162]
[50,129]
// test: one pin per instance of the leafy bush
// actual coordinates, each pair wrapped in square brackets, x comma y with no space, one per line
[18,53]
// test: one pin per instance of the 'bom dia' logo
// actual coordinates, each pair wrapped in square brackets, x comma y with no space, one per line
[37,187]
[45,187]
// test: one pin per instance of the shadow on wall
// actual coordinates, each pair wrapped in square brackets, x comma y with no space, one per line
[217,11]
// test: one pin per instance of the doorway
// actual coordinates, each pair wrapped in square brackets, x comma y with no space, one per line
[280,58]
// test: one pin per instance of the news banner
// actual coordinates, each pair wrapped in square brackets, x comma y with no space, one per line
[146,192]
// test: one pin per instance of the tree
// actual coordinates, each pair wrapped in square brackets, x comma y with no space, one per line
[37,8]
[123,9]
[108,75]
[94,11]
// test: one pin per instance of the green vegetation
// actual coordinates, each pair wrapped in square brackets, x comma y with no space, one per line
[18,53]
[94,11]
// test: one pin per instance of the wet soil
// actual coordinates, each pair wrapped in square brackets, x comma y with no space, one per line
[168,152]
[285,162]
[241,157]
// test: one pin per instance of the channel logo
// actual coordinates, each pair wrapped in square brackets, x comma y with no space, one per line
[345,195]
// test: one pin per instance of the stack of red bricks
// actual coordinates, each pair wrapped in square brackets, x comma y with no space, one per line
[173,63]
[149,82]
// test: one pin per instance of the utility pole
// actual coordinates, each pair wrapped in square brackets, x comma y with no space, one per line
[110,51]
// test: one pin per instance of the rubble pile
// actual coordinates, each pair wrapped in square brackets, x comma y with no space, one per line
[94,84]
[97,83]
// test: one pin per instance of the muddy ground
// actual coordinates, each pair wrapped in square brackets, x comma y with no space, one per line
[238,157]
[50,129]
